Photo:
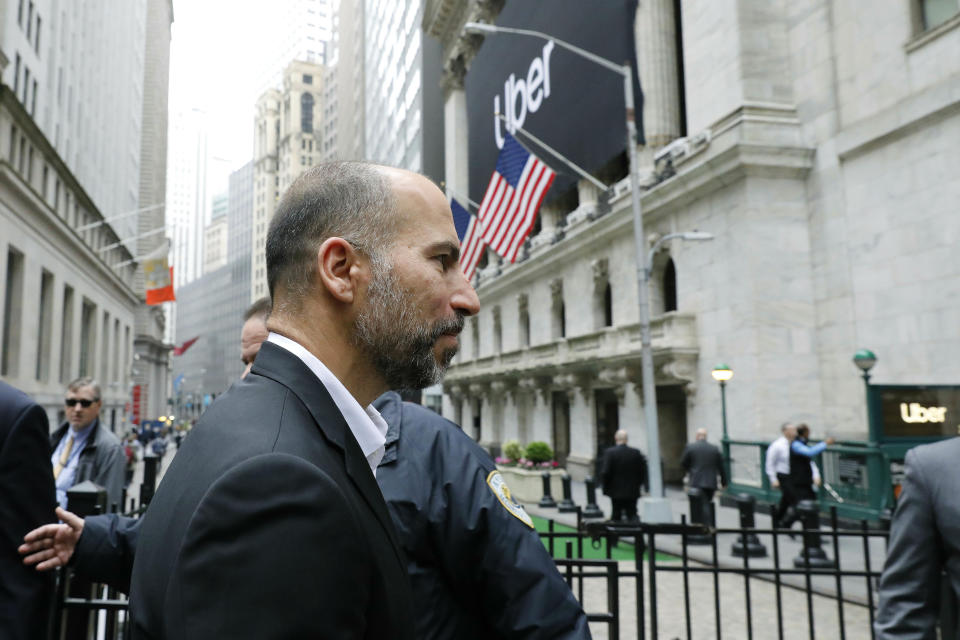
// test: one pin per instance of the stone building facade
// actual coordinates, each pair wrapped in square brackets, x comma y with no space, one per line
[66,283]
[288,139]
[816,142]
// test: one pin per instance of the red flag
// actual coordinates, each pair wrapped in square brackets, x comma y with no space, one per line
[161,289]
[179,351]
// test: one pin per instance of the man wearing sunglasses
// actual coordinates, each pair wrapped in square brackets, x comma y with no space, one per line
[83,449]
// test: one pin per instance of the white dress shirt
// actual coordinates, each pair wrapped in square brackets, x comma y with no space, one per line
[367,425]
[778,460]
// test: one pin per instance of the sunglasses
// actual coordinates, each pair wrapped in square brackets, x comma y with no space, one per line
[70,402]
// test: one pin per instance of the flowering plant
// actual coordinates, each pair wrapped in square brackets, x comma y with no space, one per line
[536,455]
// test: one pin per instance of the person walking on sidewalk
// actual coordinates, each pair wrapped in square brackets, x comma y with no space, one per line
[802,478]
[624,472]
[777,468]
[704,462]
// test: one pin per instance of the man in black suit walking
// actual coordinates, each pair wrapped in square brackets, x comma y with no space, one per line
[27,500]
[269,522]
[704,462]
[624,472]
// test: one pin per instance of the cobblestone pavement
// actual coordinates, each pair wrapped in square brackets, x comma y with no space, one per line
[733,616]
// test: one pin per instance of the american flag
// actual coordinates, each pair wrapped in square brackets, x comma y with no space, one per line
[513,197]
[471,241]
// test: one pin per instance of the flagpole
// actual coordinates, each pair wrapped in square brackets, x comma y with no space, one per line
[581,172]
[137,237]
[656,507]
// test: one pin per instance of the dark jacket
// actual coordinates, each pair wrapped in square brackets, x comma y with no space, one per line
[27,501]
[269,524]
[102,461]
[477,570]
[924,543]
[624,471]
[477,567]
[704,462]
[106,549]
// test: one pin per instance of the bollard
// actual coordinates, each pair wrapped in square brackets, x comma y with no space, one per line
[87,499]
[592,510]
[812,555]
[566,505]
[699,514]
[149,484]
[84,499]
[547,501]
[747,544]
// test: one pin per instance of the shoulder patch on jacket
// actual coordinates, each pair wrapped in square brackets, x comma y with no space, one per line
[500,489]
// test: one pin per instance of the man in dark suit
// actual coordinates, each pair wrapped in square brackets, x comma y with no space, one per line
[269,522]
[704,462]
[27,500]
[924,543]
[624,472]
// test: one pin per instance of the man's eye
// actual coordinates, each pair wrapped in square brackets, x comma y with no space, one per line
[444,260]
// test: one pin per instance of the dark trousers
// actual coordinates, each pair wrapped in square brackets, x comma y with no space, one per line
[798,491]
[787,499]
[707,493]
[624,509]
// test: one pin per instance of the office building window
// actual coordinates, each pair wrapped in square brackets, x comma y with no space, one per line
[933,13]
[45,326]
[66,336]
[307,79]
[12,314]
[105,348]
[88,338]
[497,331]
[306,113]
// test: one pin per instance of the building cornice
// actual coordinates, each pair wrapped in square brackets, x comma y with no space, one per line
[22,202]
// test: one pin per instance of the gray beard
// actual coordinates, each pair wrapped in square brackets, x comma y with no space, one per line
[399,345]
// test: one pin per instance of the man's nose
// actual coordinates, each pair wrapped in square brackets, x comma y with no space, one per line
[465,299]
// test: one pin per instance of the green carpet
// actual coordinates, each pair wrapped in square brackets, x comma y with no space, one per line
[620,551]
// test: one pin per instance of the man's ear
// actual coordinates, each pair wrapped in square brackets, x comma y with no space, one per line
[337,262]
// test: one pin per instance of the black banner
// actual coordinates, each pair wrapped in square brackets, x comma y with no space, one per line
[574,105]
[919,411]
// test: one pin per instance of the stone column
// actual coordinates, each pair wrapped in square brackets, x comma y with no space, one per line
[456,135]
[655,31]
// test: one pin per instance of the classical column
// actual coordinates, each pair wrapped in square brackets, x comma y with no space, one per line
[456,133]
[655,30]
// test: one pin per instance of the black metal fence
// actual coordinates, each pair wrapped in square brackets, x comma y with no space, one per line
[828,590]
[82,609]
[726,605]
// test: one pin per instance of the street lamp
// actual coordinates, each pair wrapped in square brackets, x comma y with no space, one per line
[865,359]
[721,373]
[656,507]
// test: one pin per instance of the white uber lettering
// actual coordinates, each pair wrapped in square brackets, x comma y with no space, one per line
[522,97]
[917,413]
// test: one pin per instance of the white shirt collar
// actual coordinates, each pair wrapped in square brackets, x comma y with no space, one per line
[368,427]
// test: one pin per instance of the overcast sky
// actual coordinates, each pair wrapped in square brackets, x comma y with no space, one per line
[216,53]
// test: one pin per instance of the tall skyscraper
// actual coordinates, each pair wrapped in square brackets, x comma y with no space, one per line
[78,69]
[150,349]
[288,138]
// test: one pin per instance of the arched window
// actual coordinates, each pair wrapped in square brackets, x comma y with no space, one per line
[669,287]
[306,112]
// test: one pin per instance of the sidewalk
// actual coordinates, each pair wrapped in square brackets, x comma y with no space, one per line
[133,491]
[851,549]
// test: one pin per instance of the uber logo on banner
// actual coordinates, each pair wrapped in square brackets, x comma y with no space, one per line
[519,97]
[919,411]
[570,103]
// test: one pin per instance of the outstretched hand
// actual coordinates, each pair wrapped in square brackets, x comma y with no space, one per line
[52,545]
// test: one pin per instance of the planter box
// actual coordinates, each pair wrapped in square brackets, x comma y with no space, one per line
[526,486]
